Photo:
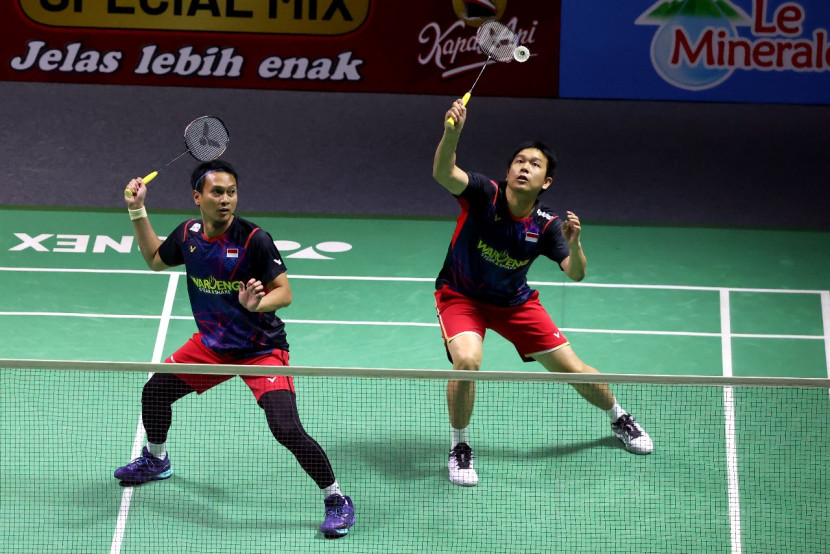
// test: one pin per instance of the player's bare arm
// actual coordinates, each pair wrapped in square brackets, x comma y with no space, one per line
[574,265]
[253,297]
[148,240]
[444,170]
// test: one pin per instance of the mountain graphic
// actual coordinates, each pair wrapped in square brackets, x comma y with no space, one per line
[668,9]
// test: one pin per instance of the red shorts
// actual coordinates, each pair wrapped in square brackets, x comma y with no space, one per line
[527,326]
[194,352]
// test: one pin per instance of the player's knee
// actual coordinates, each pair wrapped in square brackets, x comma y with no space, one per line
[163,388]
[467,361]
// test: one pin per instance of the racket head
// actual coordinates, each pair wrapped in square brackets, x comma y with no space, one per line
[497,41]
[206,138]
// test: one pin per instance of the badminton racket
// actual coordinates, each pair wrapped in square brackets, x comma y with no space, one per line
[499,43]
[206,138]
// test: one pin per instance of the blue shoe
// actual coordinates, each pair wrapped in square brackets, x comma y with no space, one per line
[339,516]
[144,469]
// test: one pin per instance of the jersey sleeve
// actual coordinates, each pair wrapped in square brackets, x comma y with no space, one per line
[266,261]
[480,190]
[170,250]
[554,245]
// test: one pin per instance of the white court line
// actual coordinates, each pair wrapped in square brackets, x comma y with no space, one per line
[417,324]
[127,495]
[733,496]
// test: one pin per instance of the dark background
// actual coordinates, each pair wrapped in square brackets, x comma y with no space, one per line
[743,165]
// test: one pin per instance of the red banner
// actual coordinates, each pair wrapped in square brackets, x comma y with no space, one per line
[399,46]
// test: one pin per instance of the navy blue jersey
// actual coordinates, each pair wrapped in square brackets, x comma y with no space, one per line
[491,251]
[215,269]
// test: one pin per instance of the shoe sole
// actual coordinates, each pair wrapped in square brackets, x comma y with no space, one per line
[633,450]
[161,476]
[338,533]
[462,483]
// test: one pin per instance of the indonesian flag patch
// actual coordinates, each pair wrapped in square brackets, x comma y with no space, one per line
[232,253]
[530,236]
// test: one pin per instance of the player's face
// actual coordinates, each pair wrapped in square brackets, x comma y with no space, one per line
[527,172]
[218,198]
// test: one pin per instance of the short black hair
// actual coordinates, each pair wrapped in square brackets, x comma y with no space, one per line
[541,147]
[197,178]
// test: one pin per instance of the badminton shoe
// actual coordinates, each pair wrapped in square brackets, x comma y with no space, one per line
[339,516]
[460,465]
[629,432]
[144,469]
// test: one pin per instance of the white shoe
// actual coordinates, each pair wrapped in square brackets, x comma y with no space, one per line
[632,435]
[460,465]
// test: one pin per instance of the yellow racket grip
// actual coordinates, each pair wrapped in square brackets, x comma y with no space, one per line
[129,194]
[464,100]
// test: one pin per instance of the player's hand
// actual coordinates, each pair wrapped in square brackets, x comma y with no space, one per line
[139,190]
[250,294]
[458,113]
[571,229]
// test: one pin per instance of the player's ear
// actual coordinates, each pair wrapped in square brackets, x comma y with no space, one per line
[196,197]
[548,182]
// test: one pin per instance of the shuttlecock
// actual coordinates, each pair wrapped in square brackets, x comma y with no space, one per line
[521,54]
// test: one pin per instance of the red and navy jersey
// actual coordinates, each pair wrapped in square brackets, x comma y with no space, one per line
[215,269]
[491,251]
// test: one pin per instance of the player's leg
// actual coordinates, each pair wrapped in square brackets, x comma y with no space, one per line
[623,425]
[565,360]
[276,396]
[534,334]
[465,350]
[157,398]
[463,329]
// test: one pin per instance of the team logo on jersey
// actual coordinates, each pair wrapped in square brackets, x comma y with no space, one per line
[212,285]
[500,258]
[192,248]
[232,253]
[196,227]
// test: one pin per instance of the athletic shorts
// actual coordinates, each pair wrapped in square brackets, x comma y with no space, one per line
[527,326]
[194,352]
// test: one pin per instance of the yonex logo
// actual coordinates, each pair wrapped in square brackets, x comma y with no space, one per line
[125,244]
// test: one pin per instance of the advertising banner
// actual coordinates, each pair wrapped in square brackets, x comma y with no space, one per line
[399,46]
[772,51]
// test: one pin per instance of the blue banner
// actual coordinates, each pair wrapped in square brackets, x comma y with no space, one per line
[770,51]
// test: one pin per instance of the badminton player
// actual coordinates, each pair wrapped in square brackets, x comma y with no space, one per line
[236,280]
[502,229]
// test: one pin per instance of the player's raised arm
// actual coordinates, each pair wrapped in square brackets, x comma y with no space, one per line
[444,169]
[148,240]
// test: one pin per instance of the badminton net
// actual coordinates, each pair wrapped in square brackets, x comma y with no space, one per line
[740,464]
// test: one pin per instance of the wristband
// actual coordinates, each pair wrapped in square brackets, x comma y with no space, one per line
[138,214]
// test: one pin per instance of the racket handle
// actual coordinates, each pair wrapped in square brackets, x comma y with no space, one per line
[129,194]
[464,100]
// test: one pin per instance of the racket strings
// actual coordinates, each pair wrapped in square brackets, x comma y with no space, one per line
[497,41]
[206,138]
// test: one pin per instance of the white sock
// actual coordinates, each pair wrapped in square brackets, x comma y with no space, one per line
[459,435]
[615,412]
[334,488]
[158,450]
